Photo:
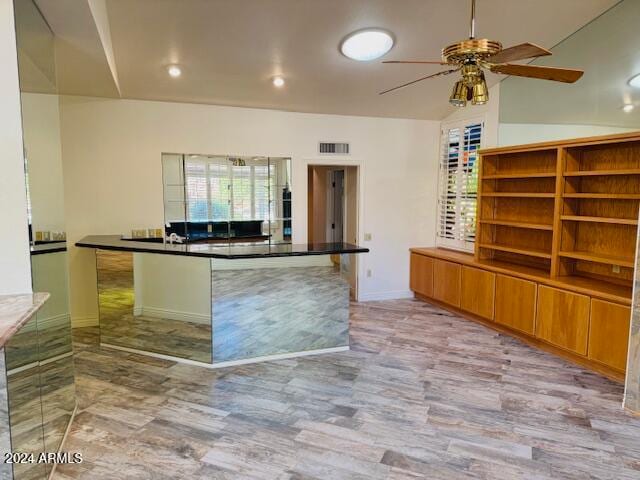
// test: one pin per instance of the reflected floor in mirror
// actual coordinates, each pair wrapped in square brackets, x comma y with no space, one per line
[177,338]
[125,320]
[269,311]
[25,416]
[421,394]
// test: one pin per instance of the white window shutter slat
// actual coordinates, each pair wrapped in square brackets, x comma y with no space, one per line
[458,185]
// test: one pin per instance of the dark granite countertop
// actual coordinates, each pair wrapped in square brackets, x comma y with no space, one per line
[16,310]
[50,247]
[115,242]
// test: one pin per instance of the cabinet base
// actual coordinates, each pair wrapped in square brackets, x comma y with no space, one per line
[603,370]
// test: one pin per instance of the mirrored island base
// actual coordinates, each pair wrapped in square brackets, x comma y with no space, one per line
[218,312]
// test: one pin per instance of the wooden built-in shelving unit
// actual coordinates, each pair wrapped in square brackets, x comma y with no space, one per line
[568,209]
[554,253]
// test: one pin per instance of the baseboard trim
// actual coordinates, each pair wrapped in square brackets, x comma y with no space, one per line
[41,363]
[233,363]
[392,295]
[55,320]
[154,312]
[79,322]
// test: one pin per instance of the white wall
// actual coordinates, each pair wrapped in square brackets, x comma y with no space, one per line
[41,123]
[171,286]
[519,133]
[113,182]
[15,270]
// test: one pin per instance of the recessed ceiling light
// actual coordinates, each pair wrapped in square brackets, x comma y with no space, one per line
[635,81]
[628,108]
[174,71]
[278,82]
[367,44]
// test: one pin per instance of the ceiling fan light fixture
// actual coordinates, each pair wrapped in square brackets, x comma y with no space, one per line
[459,95]
[480,92]
[368,44]
[628,108]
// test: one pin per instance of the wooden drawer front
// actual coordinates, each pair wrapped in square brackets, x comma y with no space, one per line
[446,282]
[478,292]
[609,334]
[563,319]
[421,279]
[516,303]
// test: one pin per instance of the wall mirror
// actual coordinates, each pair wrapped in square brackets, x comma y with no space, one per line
[601,102]
[40,356]
[221,199]
[40,124]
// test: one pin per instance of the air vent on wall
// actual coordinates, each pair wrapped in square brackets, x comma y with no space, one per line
[333,148]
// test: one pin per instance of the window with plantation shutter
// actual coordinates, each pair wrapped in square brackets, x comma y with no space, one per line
[220,190]
[458,184]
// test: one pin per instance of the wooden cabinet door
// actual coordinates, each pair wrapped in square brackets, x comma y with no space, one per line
[421,275]
[446,282]
[478,292]
[609,333]
[516,303]
[563,318]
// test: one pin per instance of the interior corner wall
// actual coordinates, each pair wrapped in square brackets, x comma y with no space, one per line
[111,152]
[15,266]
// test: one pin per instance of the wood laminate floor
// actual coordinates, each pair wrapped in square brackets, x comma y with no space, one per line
[422,394]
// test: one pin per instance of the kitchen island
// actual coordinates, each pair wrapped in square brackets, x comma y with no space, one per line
[218,306]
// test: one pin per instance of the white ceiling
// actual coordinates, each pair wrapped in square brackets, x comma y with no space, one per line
[230,49]
[607,49]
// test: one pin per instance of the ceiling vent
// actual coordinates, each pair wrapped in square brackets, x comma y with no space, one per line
[334,148]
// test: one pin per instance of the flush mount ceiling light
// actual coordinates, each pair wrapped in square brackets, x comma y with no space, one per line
[628,108]
[278,82]
[635,81]
[368,44]
[174,71]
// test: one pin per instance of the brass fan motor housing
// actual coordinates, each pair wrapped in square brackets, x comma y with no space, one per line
[472,49]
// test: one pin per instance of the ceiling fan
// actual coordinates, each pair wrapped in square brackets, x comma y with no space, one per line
[470,57]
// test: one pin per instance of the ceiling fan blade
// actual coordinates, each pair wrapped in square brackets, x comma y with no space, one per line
[444,72]
[424,62]
[566,75]
[518,52]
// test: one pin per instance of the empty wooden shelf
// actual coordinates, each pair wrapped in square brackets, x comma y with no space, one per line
[507,223]
[518,194]
[597,173]
[516,175]
[599,258]
[603,196]
[521,251]
[580,218]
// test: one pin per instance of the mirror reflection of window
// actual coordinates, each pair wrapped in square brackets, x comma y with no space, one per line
[224,198]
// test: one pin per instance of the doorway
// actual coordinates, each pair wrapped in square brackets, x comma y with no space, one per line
[333,209]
